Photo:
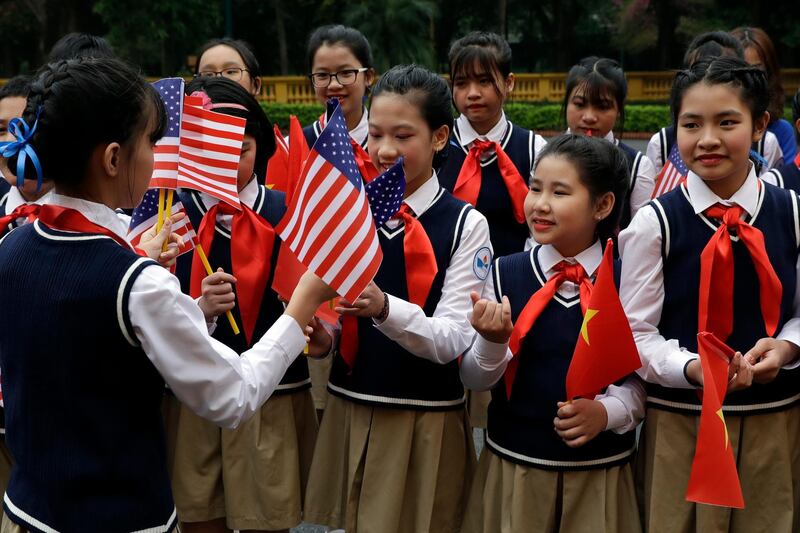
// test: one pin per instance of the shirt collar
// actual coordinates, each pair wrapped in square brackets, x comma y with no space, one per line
[361,131]
[701,197]
[15,199]
[589,259]
[100,214]
[420,200]
[609,136]
[468,134]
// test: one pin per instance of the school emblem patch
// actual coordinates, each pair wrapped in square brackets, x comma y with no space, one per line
[482,262]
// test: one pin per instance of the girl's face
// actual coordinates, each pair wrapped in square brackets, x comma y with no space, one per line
[559,208]
[223,58]
[586,117]
[477,98]
[715,131]
[331,59]
[397,128]
[248,161]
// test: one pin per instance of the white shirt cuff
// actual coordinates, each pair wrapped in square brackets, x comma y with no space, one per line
[400,312]
[490,355]
[617,414]
[288,335]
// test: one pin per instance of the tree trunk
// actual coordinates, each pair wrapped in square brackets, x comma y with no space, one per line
[667,21]
[283,49]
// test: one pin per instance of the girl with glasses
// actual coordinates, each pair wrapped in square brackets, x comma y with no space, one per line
[232,59]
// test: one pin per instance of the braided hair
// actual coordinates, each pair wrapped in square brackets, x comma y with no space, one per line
[78,104]
[750,81]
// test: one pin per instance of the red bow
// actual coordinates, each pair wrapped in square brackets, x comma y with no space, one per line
[252,239]
[24,210]
[67,219]
[468,184]
[716,274]
[421,269]
[564,272]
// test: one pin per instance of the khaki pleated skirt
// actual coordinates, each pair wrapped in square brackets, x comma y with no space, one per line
[767,452]
[511,498]
[383,470]
[478,407]
[319,370]
[254,476]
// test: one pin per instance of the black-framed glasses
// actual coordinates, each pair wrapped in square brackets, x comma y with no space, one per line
[343,77]
[232,73]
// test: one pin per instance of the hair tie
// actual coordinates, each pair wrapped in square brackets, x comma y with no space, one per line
[208,105]
[22,148]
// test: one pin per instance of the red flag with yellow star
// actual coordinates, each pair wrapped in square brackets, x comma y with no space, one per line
[605,351]
[713,479]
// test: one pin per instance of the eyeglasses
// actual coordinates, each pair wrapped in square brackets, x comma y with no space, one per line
[343,77]
[232,73]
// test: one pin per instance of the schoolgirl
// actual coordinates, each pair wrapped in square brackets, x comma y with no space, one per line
[395,451]
[489,159]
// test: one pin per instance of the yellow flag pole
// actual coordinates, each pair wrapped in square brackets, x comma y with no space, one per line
[167,214]
[206,264]
[160,221]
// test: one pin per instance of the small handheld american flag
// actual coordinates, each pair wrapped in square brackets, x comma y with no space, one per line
[145,215]
[673,171]
[210,149]
[165,153]
[328,223]
[385,193]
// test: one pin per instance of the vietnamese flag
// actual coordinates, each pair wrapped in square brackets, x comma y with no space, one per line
[298,153]
[605,351]
[713,479]
[278,164]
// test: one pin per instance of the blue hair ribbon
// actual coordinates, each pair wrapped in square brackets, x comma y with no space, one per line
[22,149]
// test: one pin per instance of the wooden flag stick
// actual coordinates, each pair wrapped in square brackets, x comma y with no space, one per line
[167,214]
[206,264]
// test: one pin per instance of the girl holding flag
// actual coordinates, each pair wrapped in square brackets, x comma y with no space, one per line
[718,254]
[73,471]
[550,464]
[395,452]
[488,159]
[253,477]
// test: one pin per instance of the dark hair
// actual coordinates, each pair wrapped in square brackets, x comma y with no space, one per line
[76,45]
[796,113]
[81,103]
[424,89]
[485,50]
[710,45]
[242,48]
[598,77]
[16,86]
[333,34]
[222,90]
[602,168]
[759,40]
[751,82]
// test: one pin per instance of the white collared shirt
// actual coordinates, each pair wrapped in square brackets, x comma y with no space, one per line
[485,362]
[247,196]
[207,376]
[360,133]
[14,199]
[467,135]
[642,284]
[444,336]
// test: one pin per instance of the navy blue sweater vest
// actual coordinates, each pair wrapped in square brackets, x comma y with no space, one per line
[787,176]
[508,236]
[684,235]
[385,373]
[520,429]
[270,206]
[83,401]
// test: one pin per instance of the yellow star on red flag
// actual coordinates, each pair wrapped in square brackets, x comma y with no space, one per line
[590,314]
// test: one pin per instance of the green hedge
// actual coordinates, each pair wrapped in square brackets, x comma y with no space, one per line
[639,117]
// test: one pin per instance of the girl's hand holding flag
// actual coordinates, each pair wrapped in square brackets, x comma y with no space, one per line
[162,245]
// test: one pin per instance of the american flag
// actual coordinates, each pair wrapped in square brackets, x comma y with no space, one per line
[328,224]
[165,153]
[145,215]
[673,171]
[210,149]
[385,193]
